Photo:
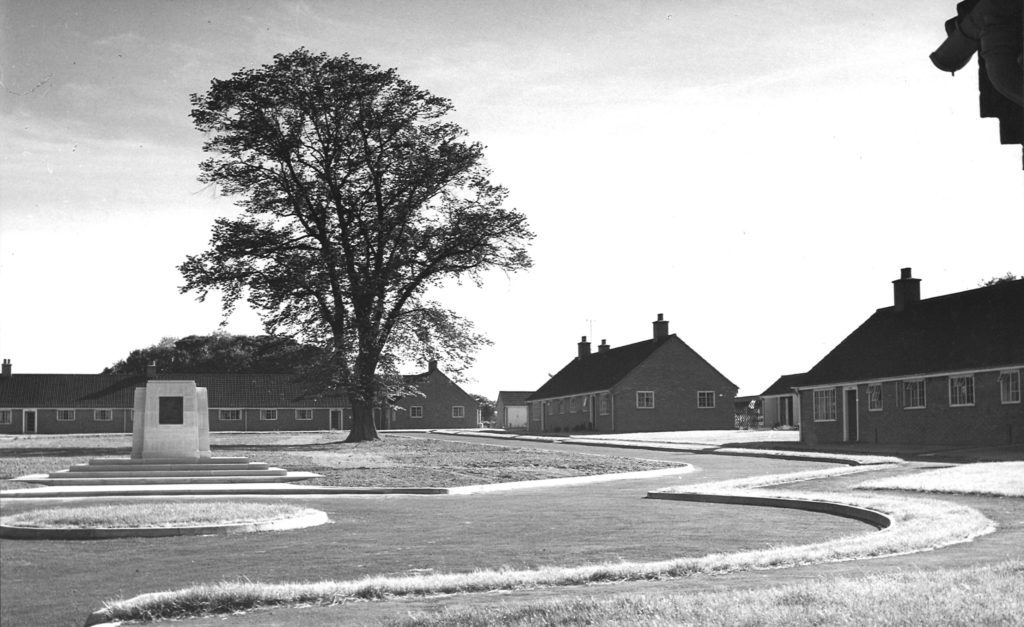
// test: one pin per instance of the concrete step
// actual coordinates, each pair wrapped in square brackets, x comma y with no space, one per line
[259,472]
[115,461]
[121,480]
[94,467]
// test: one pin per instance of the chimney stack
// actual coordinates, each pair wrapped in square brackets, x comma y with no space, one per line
[603,347]
[432,365]
[6,372]
[584,346]
[660,328]
[151,370]
[906,290]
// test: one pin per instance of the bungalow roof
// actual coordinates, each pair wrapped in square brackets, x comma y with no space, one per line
[979,328]
[784,384]
[598,371]
[513,398]
[118,390]
[69,390]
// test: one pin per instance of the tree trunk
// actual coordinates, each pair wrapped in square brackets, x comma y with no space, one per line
[363,429]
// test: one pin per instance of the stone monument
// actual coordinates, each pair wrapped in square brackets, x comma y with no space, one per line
[170,446]
[172,421]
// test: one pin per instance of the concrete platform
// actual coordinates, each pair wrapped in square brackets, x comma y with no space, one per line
[115,471]
[171,471]
[204,461]
[91,467]
[52,480]
[205,489]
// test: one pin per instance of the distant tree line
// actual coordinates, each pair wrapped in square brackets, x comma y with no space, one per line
[221,353]
[241,354]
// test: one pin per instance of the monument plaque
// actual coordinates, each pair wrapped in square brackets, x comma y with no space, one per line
[172,410]
[172,421]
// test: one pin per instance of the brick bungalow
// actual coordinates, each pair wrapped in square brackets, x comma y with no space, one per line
[511,411]
[442,404]
[945,370]
[660,384]
[100,403]
[780,402]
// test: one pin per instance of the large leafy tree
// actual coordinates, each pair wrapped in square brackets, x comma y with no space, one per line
[358,196]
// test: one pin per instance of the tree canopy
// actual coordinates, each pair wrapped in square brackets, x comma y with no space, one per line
[1006,278]
[220,352]
[358,197]
[486,406]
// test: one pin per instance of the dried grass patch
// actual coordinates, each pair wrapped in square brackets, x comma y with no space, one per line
[987,595]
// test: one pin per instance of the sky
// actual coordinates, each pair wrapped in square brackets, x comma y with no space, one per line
[758,172]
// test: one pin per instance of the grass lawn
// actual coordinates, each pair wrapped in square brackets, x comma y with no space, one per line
[919,524]
[971,596]
[393,461]
[170,514]
[986,479]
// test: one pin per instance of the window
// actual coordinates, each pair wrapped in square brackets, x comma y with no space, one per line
[1009,386]
[231,414]
[416,411]
[961,391]
[268,414]
[705,399]
[825,405]
[303,414]
[65,415]
[874,397]
[574,405]
[561,405]
[913,394]
[645,400]
[103,415]
[603,405]
[458,411]
[6,416]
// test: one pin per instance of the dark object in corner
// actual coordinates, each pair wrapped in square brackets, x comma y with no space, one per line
[993,28]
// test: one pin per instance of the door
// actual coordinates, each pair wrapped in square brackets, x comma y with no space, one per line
[335,419]
[850,404]
[786,411]
[30,420]
[515,418]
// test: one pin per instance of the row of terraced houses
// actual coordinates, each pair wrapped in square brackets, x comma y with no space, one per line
[102,403]
[943,370]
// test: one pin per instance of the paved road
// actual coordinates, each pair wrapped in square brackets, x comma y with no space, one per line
[398,535]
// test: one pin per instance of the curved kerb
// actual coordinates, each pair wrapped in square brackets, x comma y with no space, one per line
[311,518]
[863,514]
